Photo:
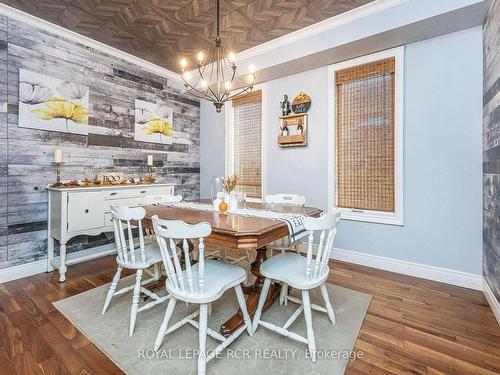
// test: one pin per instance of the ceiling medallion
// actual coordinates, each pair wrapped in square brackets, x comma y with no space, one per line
[215,77]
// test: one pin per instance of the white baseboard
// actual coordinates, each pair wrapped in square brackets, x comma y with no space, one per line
[490,297]
[443,275]
[39,266]
[22,270]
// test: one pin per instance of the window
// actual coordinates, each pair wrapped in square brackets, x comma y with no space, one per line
[245,143]
[366,139]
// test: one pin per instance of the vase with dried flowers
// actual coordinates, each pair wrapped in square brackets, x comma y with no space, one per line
[229,185]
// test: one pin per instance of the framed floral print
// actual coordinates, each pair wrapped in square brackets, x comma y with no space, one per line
[52,104]
[153,122]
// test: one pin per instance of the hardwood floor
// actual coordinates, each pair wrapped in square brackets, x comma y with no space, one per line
[413,326]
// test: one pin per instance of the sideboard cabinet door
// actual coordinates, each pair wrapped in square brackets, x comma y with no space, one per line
[85,210]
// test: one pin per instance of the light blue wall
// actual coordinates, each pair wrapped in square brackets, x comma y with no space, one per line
[211,146]
[442,160]
[442,155]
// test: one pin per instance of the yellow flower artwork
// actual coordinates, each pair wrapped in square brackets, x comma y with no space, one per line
[158,126]
[63,108]
[153,122]
[52,104]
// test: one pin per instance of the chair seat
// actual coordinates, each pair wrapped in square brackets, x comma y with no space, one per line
[290,269]
[153,255]
[219,277]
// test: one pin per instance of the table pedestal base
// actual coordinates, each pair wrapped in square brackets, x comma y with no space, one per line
[253,291]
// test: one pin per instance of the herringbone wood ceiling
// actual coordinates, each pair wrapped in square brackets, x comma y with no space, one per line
[161,31]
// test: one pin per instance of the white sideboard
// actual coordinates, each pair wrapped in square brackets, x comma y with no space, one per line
[87,211]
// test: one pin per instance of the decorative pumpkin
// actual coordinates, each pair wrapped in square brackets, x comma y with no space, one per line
[223,206]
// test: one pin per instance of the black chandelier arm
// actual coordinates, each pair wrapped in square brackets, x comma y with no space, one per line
[208,84]
[190,89]
[246,91]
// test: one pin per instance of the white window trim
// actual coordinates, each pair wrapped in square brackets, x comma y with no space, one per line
[229,151]
[396,218]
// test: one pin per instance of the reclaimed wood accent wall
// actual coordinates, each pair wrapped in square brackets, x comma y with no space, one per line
[491,150]
[26,154]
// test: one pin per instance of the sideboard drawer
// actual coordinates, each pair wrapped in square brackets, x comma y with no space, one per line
[125,202]
[126,193]
[85,210]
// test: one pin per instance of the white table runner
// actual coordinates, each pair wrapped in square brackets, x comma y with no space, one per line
[294,222]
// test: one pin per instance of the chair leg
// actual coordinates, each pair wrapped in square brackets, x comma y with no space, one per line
[157,273]
[209,309]
[202,339]
[310,332]
[135,301]
[112,289]
[164,325]
[328,305]
[284,294]
[296,248]
[260,306]
[243,307]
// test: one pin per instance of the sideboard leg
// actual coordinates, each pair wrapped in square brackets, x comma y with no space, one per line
[62,267]
[50,253]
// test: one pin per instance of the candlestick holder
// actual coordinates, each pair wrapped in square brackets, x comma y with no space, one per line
[58,173]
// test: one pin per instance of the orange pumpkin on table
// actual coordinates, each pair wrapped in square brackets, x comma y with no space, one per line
[223,206]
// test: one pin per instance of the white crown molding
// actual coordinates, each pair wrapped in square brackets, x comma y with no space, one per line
[75,37]
[490,297]
[424,271]
[319,27]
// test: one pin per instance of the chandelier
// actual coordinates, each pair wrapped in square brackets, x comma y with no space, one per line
[215,77]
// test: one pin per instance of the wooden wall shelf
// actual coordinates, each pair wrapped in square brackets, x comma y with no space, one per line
[295,137]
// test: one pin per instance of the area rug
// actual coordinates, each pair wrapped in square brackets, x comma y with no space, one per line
[265,353]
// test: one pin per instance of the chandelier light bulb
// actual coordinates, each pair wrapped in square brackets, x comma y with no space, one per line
[203,83]
[251,68]
[227,85]
[232,57]
[183,63]
[251,78]
[200,57]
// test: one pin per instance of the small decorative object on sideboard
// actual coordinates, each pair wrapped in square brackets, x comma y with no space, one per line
[301,103]
[285,106]
[293,130]
[110,177]
[58,161]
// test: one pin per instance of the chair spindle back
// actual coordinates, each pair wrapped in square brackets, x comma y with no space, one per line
[122,221]
[327,226]
[168,232]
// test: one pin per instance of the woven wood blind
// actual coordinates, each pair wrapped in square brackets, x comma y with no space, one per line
[247,143]
[365,136]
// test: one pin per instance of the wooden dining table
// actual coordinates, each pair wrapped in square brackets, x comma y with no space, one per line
[238,232]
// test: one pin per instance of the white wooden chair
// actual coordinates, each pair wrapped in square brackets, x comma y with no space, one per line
[285,243]
[201,283]
[149,200]
[302,273]
[139,258]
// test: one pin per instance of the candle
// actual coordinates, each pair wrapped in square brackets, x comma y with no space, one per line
[58,156]
[150,160]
